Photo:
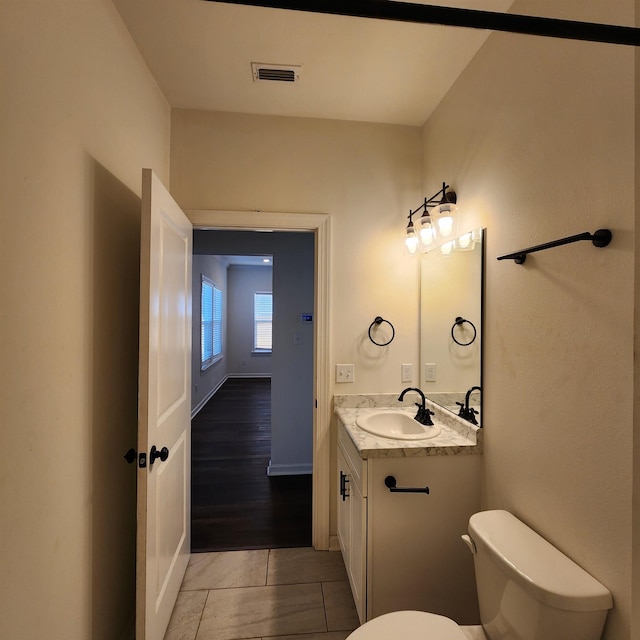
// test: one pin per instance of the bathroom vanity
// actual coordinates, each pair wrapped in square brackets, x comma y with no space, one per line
[403,549]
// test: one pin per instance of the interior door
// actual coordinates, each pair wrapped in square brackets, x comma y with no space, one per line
[164,445]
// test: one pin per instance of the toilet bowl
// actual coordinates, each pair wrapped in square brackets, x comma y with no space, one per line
[527,590]
[415,625]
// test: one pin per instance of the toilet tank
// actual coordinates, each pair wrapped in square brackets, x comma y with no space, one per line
[528,589]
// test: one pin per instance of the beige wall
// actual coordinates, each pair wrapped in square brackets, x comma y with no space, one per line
[635,590]
[81,116]
[364,175]
[537,138]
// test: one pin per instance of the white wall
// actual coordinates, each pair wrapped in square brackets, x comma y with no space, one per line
[205,383]
[244,281]
[81,115]
[537,138]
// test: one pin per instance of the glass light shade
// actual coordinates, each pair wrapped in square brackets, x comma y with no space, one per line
[411,239]
[446,215]
[427,231]
[465,242]
[447,248]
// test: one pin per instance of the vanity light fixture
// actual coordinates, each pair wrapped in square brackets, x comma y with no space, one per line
[438,220]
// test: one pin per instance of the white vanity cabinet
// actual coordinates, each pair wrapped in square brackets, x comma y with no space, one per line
[352,518]
[403,550]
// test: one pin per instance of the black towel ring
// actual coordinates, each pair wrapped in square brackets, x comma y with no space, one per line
[379,321]
[459,321]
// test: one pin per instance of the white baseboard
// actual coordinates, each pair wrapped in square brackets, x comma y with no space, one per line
[334,544]
[248,375]
[206,399]
[289,469]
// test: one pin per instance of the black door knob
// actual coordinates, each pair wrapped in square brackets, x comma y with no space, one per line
[130,456]
[154,454]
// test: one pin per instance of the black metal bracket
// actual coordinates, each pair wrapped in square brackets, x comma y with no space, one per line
[601,238]
[390,483]
[437,198]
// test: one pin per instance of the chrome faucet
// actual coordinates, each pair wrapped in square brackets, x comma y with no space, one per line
[467,412]
[424,415]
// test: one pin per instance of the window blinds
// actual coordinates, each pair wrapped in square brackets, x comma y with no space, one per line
[211,323]
[263,317]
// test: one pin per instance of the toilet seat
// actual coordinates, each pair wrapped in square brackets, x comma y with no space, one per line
[409,625]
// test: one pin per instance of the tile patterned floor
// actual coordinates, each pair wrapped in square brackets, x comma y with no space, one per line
[276,594]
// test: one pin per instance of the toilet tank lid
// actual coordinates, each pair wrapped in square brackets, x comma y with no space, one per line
[536,565]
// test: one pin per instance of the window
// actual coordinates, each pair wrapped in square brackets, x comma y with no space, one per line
[262,321]
[210,324]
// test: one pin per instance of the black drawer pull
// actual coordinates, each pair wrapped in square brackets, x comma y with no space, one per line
[343,486]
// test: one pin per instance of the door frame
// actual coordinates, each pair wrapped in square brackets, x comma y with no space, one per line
[319,224]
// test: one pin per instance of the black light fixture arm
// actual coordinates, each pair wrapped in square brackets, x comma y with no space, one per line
[437,198]
[601,238]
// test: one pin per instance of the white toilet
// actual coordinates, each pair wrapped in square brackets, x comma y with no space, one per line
[527,590]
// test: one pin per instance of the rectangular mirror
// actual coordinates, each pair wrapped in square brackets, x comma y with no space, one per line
[451,313]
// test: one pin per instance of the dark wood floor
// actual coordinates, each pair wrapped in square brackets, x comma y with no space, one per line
[234,504]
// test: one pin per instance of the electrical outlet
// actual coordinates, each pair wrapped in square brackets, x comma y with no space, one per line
[430,372]
[345,373]
[407,372]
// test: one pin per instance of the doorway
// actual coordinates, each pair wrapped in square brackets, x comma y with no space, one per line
[319,225]
[250,484]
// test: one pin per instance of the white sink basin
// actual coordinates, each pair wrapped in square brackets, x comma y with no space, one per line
[395,424]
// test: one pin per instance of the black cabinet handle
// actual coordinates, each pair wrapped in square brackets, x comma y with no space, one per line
[390,483]
[154,454]
[343,486]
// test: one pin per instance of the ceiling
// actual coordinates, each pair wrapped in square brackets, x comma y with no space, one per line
[350,68]
[246,261]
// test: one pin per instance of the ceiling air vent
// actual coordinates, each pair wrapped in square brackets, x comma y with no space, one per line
[275,72]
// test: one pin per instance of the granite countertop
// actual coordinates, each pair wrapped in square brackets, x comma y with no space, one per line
[457,436]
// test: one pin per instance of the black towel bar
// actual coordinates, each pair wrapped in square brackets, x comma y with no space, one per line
[601,238]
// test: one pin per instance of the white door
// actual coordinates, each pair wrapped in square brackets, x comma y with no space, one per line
[164,412]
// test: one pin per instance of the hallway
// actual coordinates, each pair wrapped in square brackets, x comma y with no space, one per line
[234,504]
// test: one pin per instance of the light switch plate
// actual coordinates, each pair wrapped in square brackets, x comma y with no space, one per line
[345,373]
